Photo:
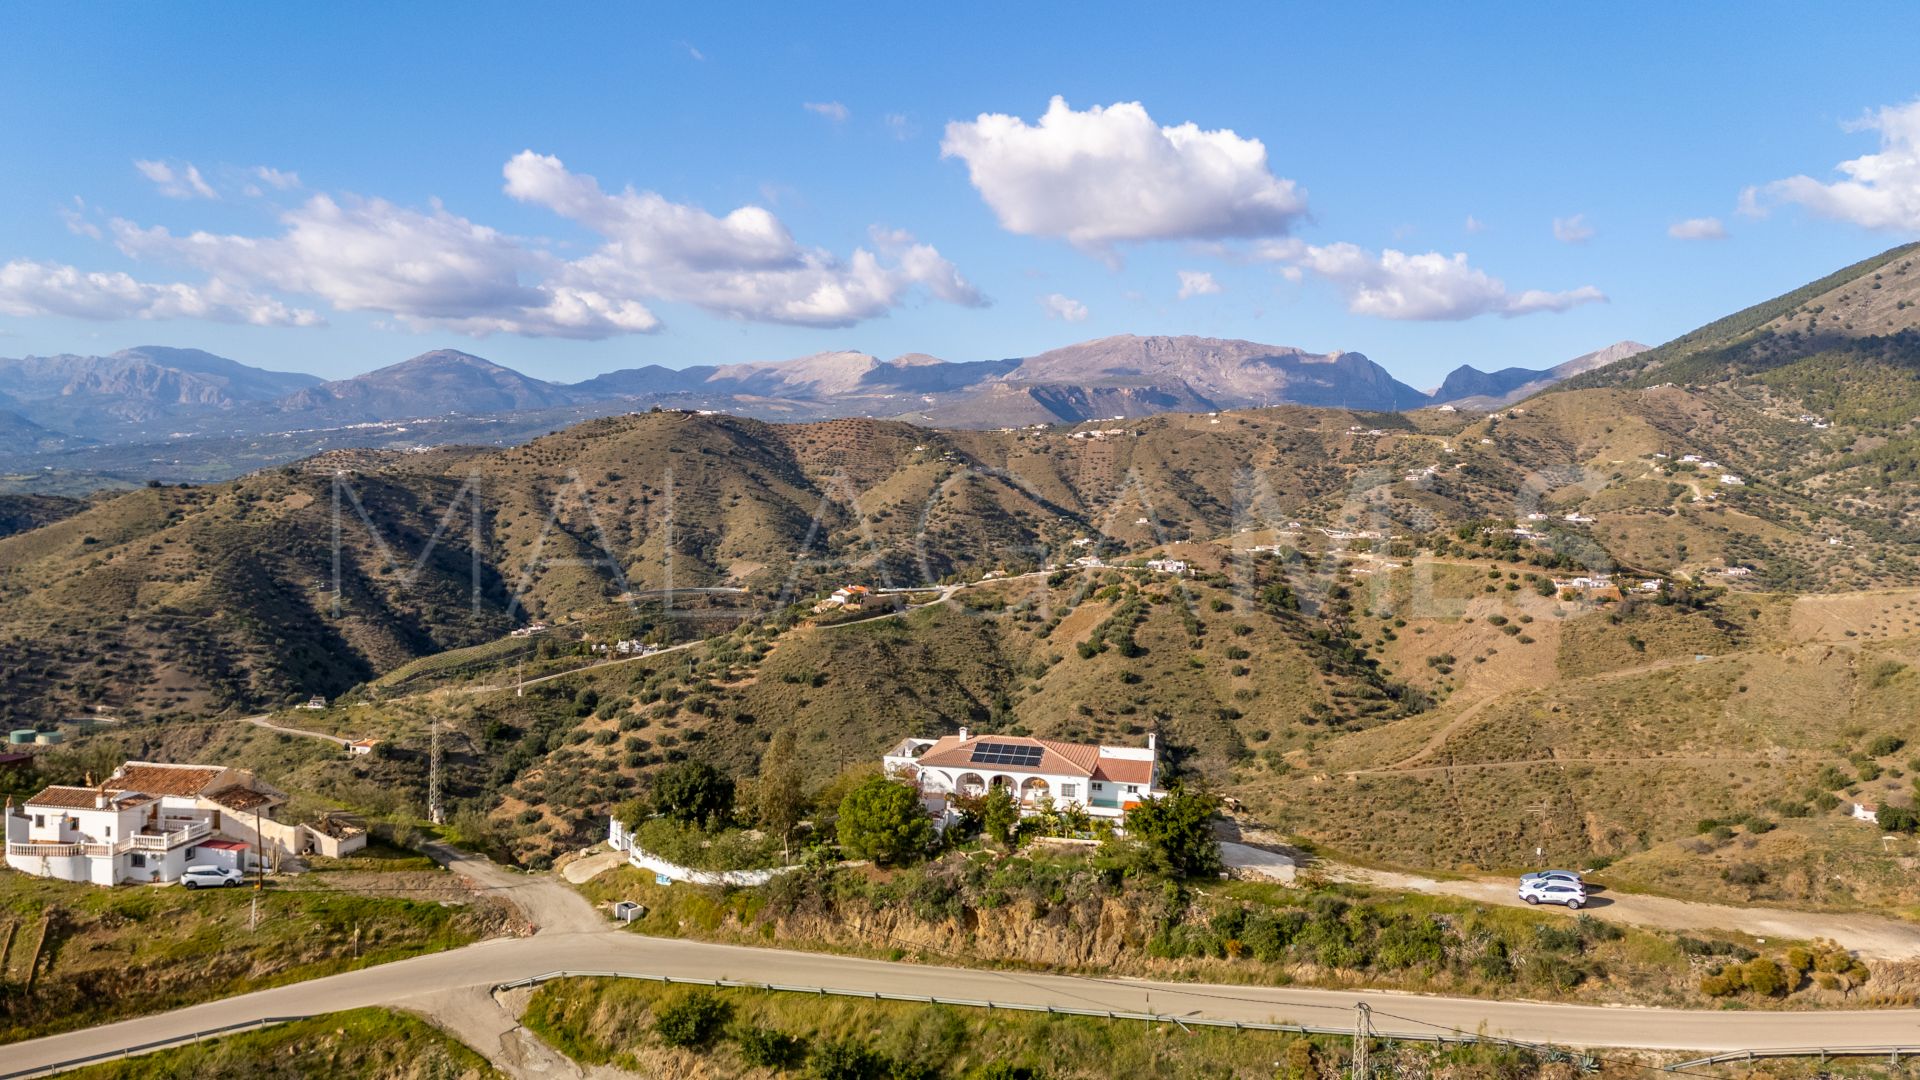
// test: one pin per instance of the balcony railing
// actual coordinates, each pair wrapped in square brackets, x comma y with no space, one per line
[51,851]
[166,841]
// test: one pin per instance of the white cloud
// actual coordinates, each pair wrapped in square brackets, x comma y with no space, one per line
[76,218]
[1429,287]
[899,126]
[832,110]
[274,178]
[1197,283]
[1064,308]
[1881,191]
[435,268]
[745,265]
[1700,228]
[1572,230]
[31,288]
[1112,175]
[181,181]
[1475,225]
[429,269]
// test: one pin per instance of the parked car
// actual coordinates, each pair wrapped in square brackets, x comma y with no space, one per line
[1567,876]
[1548,891]
[211,876]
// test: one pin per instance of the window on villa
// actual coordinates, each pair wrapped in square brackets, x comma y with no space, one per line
[1133,789]
[39,821]
[1096,785]
[138,861]
[109,832]
[1069,791]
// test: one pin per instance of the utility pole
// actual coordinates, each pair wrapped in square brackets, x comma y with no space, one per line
[259,871]
[435,812]
[1540,810]
[1362,1035]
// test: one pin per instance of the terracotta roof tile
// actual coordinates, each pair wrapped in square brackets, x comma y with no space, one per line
[83,798]
[240,799]
[158,779]
[1124,771]
[77,798]
[1056,758]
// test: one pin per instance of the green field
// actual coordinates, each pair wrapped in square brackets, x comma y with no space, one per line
[363,1044]
[108,954]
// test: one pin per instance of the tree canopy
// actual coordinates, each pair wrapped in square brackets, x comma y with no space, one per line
[693,793]
[1177,833]
[882,820]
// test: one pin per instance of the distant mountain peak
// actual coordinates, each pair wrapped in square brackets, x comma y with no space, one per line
[1468,387]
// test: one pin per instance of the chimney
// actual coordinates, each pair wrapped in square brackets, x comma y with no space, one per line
[963,734]
[1152,739]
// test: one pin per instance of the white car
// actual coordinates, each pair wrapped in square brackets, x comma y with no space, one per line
[212,876]
[1547,891]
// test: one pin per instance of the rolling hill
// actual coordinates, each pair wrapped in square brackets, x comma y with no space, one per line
[1401,643]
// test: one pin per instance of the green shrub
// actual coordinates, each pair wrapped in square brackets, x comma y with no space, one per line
[767,1048]
[1764,977]
[1719,985]
[1885,745]
[692,1018]
[847,1059]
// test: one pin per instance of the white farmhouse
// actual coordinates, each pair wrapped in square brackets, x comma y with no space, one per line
[1168,566]
[1102,780]
[151,820]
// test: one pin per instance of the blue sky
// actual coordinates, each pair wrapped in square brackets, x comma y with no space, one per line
[430,168]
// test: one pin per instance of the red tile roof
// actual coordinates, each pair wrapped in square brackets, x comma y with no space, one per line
[240,798]
[84,798]
[222,845]
[1124,771]
[159,779]
[73,798]
[1056,758]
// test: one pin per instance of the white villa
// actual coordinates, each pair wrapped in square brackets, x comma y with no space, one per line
[1103,780]
[150,820]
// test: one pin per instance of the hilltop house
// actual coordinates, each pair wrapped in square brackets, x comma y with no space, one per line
[1169,566]
[847,597]
[1102,780]
[151,820]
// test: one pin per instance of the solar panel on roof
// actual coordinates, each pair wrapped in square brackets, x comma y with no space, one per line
[987,753]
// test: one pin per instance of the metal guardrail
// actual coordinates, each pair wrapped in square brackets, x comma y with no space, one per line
[922,999]
[147,1048]
[1893,1054]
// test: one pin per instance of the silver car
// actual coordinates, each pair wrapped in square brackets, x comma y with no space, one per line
[211,876]
[1567,876]
[1544,891]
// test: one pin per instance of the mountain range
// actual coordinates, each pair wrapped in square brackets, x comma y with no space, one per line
[94,412]
[233,593]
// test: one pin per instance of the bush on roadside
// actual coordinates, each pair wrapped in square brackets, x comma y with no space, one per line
[691,1019]
[767,1048]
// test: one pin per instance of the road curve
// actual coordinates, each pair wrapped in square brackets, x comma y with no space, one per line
[414,983]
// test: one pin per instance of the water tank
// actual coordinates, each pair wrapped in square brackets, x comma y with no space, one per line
[20,736]
[50,738]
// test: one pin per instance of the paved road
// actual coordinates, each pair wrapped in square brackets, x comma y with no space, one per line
[1258,862]
[1872,936]
[422,982]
